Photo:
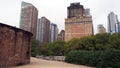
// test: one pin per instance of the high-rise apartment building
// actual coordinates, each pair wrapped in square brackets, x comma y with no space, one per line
[78,23]
[113,23]
[28,19]
[43,31]
[53,32]
[101,29]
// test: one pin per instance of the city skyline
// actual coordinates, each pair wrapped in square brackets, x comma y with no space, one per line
[56,11]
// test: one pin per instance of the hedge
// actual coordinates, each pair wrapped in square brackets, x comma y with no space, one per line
[99,59]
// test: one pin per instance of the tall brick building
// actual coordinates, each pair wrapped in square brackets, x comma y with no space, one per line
[78,23]
[43,31]
[29,17]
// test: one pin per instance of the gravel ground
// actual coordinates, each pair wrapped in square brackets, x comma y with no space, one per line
[40,63]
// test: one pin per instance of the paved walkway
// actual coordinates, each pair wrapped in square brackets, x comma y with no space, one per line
[39,63]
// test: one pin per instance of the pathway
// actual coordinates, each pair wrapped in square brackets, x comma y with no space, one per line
[40,63]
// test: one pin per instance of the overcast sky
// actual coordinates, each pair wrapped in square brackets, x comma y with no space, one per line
[56,10]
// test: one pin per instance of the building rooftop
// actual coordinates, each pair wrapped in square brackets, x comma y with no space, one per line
[14,28]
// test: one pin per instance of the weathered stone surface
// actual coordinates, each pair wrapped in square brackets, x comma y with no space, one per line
[57,58]
[15,46]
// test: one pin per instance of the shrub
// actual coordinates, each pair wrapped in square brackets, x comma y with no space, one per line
[110,58]
[80,57]
[100,59]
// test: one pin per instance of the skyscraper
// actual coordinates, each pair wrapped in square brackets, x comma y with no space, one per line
[43,31]
[28,19]
[53,32]
[78,23]
[112,23]
[101,29]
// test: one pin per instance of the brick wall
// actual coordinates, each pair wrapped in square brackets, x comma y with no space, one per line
[78,27]
[15,46]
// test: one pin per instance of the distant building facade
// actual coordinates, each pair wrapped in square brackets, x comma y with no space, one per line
[113,23]
[78,23]
[43,31]
[75,10]
[28,19]
[101,29]
[61,35]
[53,32]
[87,12]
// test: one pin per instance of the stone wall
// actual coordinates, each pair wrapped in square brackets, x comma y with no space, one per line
[56,58]
[15,46]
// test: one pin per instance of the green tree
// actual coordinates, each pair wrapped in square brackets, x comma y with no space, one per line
[34,48]
[54,48]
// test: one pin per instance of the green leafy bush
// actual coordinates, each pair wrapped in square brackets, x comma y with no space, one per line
[110,58]
[100,59]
